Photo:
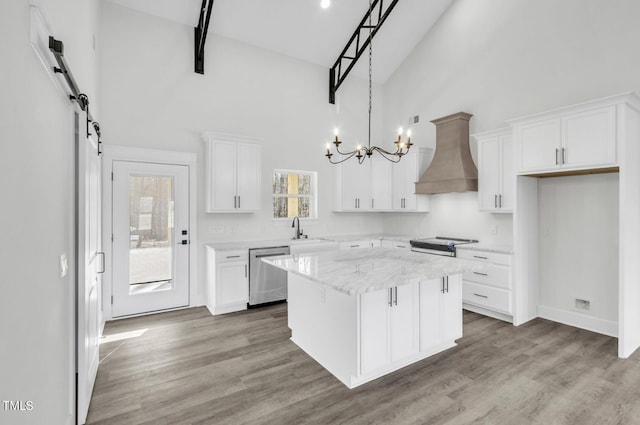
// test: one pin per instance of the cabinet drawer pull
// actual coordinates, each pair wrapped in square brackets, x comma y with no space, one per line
[481,274]
[495,201]
[390,297]
[500,200]
[401,246]
[245,270]
[395,295]
[563,158]
[481,257]
[557,156]
[481,296]
[233,256]
[354,246]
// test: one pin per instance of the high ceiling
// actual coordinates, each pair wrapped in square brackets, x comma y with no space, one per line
[303,30]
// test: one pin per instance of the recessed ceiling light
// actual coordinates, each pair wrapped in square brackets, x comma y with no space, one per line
[325,4]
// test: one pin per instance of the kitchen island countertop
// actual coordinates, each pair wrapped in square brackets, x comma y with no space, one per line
[364,270]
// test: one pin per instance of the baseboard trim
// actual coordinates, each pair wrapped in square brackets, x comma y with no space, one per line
[487,312]
[579,320]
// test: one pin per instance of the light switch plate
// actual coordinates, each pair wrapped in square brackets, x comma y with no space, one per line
[64,265]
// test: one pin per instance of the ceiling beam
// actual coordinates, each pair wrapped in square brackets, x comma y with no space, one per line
[354,48]
[200,34]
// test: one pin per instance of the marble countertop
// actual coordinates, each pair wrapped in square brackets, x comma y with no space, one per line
[363,270]
[222,246]
[503,249]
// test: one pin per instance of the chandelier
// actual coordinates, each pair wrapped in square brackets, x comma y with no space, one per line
[363,152]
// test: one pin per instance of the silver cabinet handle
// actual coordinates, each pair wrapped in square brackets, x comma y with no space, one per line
[372,203]
[390,297]
[442,289]
[557,156]
[238,201]
[233,256]
[481,296]
[481,274]
[235,201]
[447,279]
[495,201]
[500,200]
[245,270]
[401,246]
[563,153]
[481,257]
[354,246]
[395,295]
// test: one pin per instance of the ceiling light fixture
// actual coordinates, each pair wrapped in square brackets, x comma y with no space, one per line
[361,153]
[325,4]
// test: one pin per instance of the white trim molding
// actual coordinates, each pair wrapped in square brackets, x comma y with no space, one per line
[125,153]
[579,320]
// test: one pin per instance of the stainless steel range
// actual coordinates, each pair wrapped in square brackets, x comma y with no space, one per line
[439,245]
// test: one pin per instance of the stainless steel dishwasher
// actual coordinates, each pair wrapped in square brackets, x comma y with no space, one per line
[266,283]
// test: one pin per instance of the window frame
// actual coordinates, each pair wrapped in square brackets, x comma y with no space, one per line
[313,196]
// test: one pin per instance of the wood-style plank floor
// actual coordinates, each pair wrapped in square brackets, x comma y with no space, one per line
[192,368]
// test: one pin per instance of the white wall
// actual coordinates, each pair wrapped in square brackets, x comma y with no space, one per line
[578,222]
[37,193]
[153,99]
[503,59]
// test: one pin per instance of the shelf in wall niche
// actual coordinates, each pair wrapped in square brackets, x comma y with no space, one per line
[575,172]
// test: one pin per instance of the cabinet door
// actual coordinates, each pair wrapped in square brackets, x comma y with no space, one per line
[489,174]
[232,283]
[451,309]
[381,178]
[589,138]
[507,176]
[248,176]
[221,176]
[537,145]
[350,178]
[398,187]
[374,330]
[430,300]
[404,322]
[410,166]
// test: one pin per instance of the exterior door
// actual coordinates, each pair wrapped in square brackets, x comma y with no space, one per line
[151,242]
[90,263]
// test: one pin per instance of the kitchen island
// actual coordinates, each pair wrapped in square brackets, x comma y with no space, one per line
[364,313]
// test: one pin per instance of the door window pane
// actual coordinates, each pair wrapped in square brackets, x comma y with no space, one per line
[151,234]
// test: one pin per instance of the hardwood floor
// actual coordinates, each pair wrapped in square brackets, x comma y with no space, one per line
[192,368]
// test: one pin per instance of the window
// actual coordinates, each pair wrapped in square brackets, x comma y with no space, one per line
[294,194]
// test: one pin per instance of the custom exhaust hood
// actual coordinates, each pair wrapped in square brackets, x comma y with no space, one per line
[452,169]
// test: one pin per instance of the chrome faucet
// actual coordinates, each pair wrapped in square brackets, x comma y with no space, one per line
[298,231]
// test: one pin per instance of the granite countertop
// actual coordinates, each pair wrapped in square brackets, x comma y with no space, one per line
[363,270]
[503,249]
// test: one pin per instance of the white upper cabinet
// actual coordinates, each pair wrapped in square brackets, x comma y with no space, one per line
[381,185]
[580,137]
[354,185]
[405,174]
[496,175]
[381,175]
[233,175]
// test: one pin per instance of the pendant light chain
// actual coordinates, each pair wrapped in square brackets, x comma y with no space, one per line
[370,70]
[361,153]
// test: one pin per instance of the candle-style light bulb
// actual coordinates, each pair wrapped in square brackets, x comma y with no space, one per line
[328,148]
[335,132]
[399,134]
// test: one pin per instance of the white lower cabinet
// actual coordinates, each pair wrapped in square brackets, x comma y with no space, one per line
[440,301]
[360,243]
[389,326]
[361,337]
[489,290]
[227,280]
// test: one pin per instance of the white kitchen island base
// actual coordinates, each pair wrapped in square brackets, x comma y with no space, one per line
[363,336]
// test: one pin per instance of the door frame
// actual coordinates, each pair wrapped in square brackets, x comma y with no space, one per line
[156,156]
